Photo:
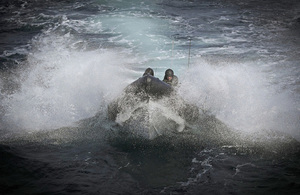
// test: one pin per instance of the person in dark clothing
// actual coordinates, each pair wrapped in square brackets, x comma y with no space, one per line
[149,71]
[170,78]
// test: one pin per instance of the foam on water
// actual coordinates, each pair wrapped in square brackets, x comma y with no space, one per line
[60,85]
[241,95]
[77,65]
[85,52]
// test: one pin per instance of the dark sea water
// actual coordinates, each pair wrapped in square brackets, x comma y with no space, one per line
[63,62]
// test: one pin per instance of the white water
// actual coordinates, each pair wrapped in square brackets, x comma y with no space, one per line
[241,95]
[65,80]
[61,86]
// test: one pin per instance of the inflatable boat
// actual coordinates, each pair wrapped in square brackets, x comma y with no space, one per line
[148,107]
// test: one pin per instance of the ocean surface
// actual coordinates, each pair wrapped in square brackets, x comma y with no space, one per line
[63,62]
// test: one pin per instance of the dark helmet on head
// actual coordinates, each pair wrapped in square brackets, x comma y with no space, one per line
[169,73]
[149,71]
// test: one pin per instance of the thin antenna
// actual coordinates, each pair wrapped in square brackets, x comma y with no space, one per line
[172,57]
[172,47]
[189,52]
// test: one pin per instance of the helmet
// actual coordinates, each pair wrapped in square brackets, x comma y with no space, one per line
[149,71]
[169,73]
